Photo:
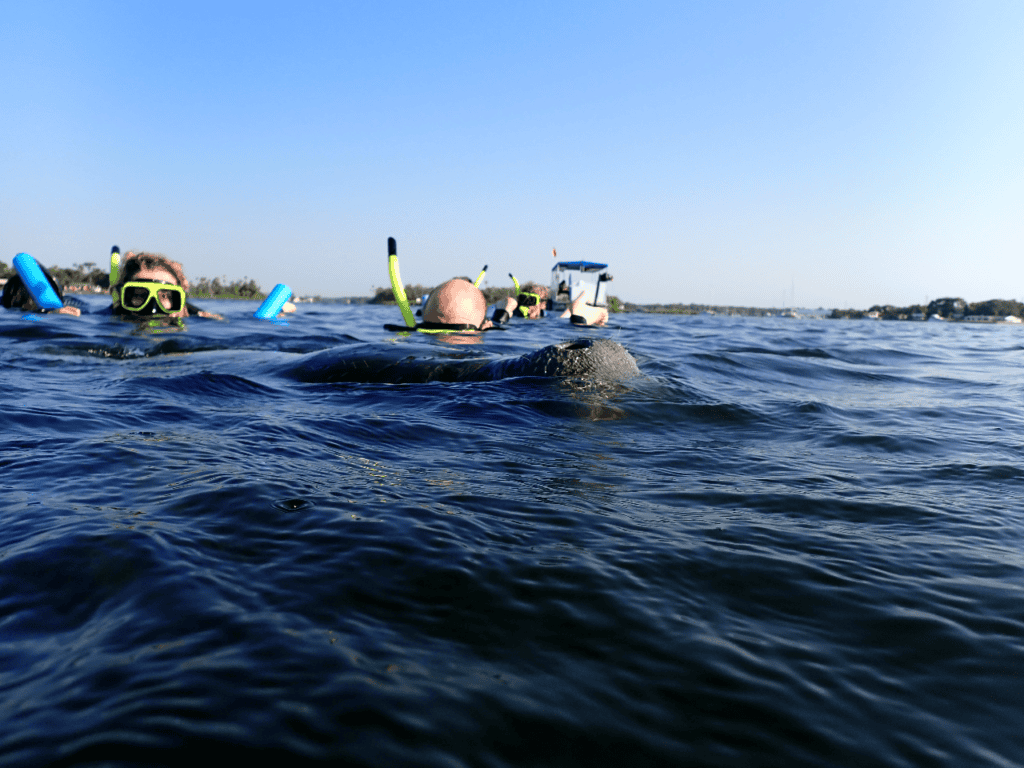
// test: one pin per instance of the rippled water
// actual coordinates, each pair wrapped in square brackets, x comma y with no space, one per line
[793,542]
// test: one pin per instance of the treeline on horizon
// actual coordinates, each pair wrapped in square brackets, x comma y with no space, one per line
[948,309]
[89,274]
[490,292]
[417,291]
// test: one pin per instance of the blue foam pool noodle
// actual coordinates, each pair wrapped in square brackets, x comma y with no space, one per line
[273,303]
[34,279]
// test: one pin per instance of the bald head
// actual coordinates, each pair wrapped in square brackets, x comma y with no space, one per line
[456,302]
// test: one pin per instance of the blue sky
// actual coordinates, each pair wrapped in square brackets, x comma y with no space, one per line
[835,154]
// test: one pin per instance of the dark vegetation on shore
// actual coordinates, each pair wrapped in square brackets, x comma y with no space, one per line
[491,293]
[692,309]
[947,309]
[88,277]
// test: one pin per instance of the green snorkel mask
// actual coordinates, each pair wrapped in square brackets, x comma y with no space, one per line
[146,297]
[526,300]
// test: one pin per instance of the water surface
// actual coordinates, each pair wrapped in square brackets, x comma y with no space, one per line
[793,542]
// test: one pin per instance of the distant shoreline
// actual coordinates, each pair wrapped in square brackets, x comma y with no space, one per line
[948,309]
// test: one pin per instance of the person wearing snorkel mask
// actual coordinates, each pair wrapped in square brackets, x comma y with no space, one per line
[456,305]
[528,303]
[153,287]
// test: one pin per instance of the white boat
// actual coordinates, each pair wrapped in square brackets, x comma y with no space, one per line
[570,278]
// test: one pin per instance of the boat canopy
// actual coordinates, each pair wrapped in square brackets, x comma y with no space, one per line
[571,278]
[582,266]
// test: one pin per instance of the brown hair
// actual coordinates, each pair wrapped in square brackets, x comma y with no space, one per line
[532,287]
[136,262]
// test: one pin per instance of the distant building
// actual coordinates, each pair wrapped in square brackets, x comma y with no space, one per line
[948,309]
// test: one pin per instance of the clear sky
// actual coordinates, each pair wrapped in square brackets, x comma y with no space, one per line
[818,153]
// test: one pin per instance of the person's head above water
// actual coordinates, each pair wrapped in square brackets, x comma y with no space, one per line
[151,285]
[457,304]
[17,296]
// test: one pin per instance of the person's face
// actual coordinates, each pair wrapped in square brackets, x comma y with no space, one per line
[159,275]
[533,310]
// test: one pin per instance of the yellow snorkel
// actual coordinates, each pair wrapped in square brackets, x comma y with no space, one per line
[524,303]
[115,266]
[403,302]
[480,277]
[396,284]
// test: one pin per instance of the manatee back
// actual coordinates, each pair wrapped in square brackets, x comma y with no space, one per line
[598,359]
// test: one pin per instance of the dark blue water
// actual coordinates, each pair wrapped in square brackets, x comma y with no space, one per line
[792,543]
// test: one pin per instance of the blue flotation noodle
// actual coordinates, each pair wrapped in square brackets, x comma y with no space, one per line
[273,303]
[35,280]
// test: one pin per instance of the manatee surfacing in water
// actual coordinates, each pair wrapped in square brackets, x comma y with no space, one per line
[600,360]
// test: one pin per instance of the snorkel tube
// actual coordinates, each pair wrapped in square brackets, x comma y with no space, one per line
[273,303]
[524,300]
[35,281]
[115,266]
[396,284]
[480,277]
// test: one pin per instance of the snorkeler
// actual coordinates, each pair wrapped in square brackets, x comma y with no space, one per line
[16,294]
[529,302]
[582,313]
[150,287]
[456,305]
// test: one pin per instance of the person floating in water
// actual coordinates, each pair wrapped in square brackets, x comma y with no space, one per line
[582,313]
[529,302]
[17,296]
[151,286]
[456,305]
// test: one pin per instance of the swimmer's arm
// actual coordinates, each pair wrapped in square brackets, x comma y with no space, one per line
[503,309]
[191,310]
[582,313]
[73,311]
[588,315]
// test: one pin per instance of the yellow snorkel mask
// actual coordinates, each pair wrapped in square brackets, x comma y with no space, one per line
[151,297]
